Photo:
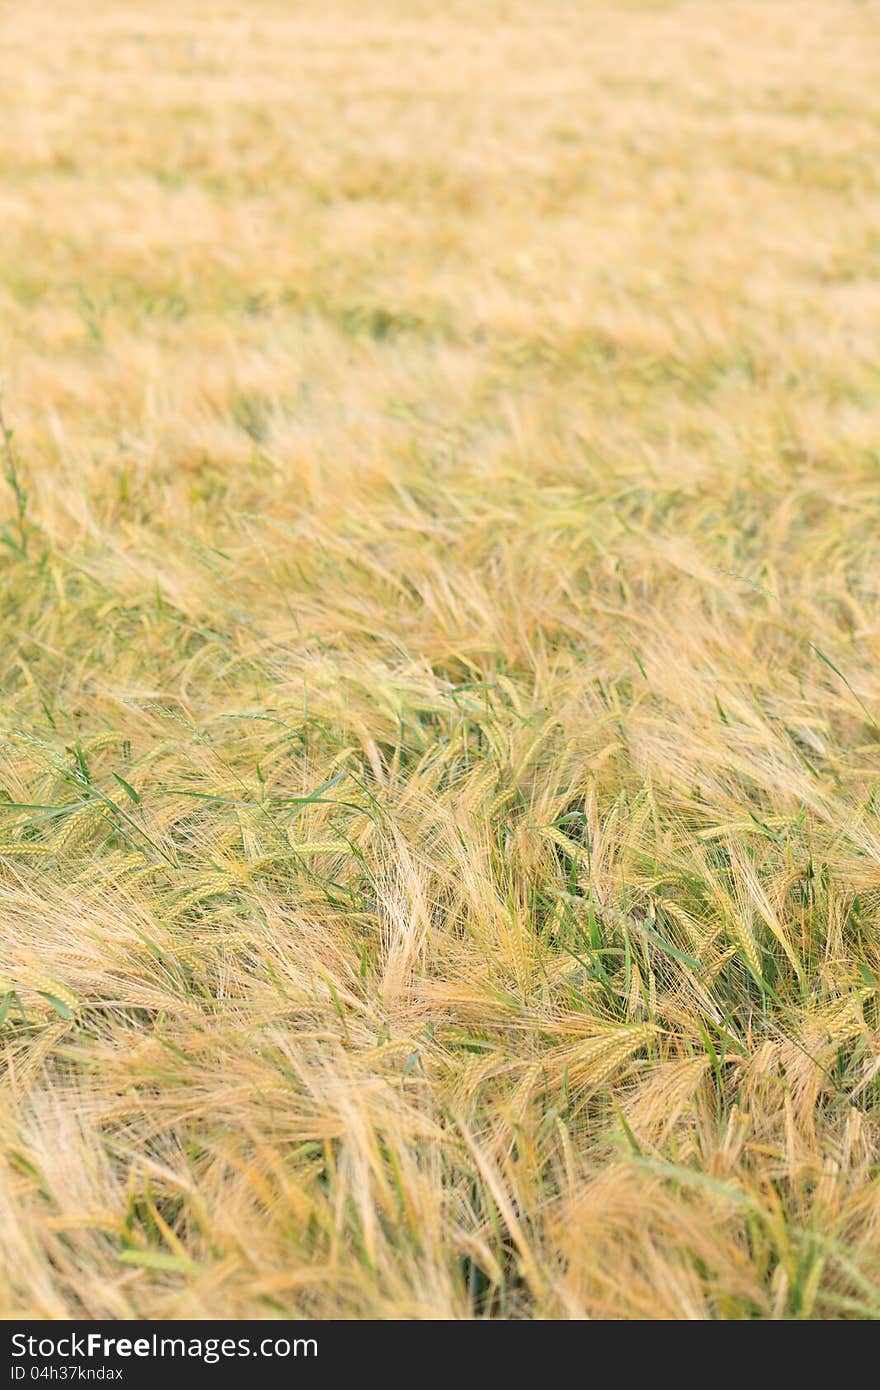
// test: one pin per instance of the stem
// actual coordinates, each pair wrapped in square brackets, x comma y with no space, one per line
[14,481]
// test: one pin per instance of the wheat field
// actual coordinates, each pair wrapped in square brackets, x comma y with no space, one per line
[439,744]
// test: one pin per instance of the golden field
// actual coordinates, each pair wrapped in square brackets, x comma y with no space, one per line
[439,636]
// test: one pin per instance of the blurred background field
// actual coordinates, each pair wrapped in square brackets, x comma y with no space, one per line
[439,635]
